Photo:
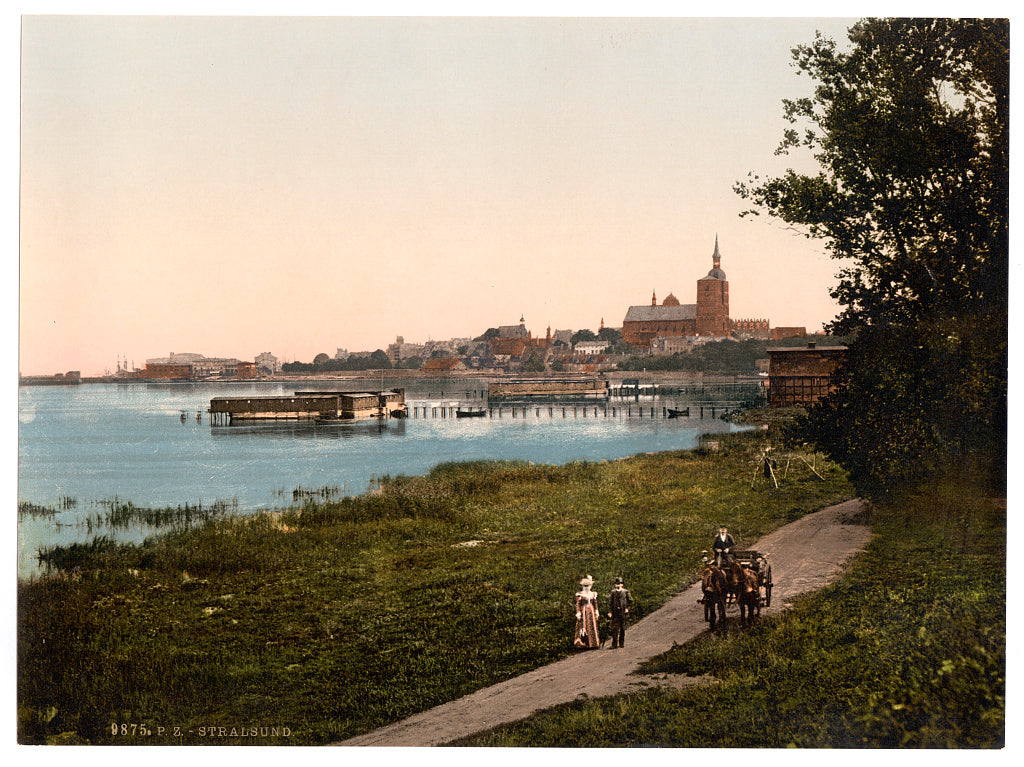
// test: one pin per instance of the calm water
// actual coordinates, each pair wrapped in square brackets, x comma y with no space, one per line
[99,442]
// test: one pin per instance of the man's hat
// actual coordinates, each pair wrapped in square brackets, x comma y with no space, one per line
[618,581]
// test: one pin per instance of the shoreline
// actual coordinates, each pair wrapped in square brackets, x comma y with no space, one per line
[649,376]
[276,512]
[406,545]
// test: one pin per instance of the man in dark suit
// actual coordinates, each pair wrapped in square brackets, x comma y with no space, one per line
[723,546]
[620,602]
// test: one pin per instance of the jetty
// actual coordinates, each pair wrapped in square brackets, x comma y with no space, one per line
[322,407]
[548,390]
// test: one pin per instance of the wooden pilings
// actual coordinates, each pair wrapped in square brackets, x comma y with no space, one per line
[431,410]
[694,411]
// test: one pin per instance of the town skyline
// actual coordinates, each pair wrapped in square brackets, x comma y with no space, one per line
[240,185]
[124,364]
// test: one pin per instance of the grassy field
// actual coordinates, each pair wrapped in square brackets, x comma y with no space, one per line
[311,626]
[907,650]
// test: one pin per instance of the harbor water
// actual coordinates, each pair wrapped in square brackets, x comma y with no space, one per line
[83,448]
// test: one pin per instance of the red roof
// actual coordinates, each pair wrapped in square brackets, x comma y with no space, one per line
[441,364]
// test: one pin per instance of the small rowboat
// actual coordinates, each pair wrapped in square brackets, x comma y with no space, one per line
[470,413]
[678,412]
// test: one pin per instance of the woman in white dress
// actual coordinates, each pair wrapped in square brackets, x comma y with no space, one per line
[586,636]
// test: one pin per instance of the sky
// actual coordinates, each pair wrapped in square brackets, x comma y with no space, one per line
[294,185]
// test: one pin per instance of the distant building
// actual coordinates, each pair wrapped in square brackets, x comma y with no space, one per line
[708,317]
[751,328]
[713,300]
[400,350]
[645,323]
[167,370]
[508,347]
[565,336]
[802,375]
[179,366]
[516,340]
[777,334]
[180,358]
[590,347]
[70,377]
[514,331]
[268,363]
[676,344]
[247,370]
[215,367]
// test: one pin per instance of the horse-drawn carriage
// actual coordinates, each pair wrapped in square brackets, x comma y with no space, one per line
[758,563]
[745,579]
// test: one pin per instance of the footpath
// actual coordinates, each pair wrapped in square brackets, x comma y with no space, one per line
[804,555]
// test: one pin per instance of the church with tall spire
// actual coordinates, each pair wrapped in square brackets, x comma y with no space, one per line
[709,317]
[713,300]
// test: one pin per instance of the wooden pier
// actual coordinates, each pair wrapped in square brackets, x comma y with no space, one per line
[569,410]
[546,389]
[325,407]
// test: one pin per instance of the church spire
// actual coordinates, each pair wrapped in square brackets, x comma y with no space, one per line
[717,257]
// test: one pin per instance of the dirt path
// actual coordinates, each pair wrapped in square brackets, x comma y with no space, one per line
[804,556]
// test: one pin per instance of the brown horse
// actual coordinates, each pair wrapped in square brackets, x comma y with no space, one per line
[734,581]
[714,585]
[749,597]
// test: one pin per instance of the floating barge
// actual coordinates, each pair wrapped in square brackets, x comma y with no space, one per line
[322,407]
[548,390]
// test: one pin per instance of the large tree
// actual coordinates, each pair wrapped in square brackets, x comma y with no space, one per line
[909,126]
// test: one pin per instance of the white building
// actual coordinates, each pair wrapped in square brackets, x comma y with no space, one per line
[268,362]
[590,347]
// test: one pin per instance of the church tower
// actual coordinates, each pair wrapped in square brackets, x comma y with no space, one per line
[713,300]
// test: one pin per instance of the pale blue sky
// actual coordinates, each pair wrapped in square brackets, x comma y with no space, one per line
[237,185]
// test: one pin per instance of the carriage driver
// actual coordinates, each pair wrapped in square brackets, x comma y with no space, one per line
[723,546]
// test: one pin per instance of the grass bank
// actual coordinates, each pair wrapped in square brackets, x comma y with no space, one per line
[330,621]
[907,650]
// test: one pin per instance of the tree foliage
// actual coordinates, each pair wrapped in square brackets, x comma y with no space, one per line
[488,335]
[583,335]
[533,364]
[909,127]
[910,130]
[378,360]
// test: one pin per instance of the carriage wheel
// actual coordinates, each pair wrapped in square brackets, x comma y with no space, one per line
[768,587]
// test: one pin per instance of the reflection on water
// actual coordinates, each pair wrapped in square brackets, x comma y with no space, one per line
[371,427]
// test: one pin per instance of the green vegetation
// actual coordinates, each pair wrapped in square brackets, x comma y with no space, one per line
[349,614]
[323,363]
[722,357]
[907,650]
[353,613]
[910,128]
